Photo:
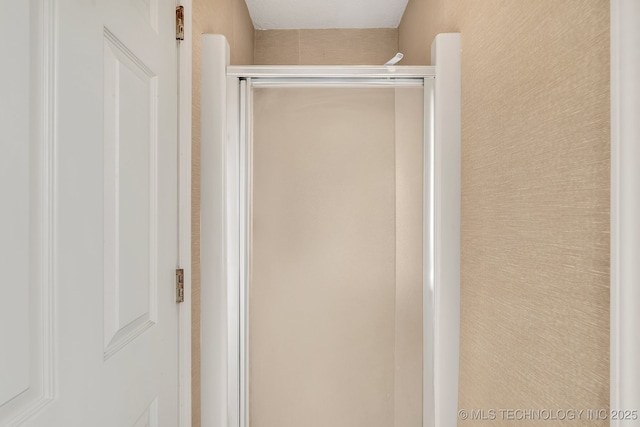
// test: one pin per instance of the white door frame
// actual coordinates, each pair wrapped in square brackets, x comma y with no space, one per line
[184,215]
[625,207]
[223,210]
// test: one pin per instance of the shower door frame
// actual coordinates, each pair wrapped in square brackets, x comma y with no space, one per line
[247,78]
[225,216]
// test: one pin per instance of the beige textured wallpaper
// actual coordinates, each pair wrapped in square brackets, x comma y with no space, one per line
[535,200]
[231,18]
[371,46]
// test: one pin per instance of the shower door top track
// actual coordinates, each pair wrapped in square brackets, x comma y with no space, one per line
[332,72]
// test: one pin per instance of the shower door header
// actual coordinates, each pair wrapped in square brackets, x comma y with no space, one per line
[329,72]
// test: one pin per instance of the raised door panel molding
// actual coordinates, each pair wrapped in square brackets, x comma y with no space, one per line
[130,184]
[149,417]
[149,9]
[27,227]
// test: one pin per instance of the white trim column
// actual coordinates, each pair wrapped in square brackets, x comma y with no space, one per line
[184,216]
[214,292]
[445,55]
[625,207]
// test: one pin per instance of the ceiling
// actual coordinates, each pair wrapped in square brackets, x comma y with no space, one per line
[313,14]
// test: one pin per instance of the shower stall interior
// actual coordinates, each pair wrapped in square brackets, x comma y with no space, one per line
[330,242]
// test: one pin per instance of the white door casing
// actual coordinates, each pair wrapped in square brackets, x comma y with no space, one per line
[89,233]
[625,208]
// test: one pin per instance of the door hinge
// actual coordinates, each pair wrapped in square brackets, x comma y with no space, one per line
[180,23]
[179,285]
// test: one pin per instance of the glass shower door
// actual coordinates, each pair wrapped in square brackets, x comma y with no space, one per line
[334,317]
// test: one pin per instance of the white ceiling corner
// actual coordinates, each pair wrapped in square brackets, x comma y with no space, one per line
[316,14]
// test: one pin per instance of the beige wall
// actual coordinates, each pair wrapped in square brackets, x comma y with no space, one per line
[372,46]
[535,198]
[231,18]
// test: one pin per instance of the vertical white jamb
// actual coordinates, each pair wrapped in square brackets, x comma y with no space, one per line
[244,118]
[445,55]
[214,233]
[184,215]
[234,259]
[625,208]
[245,215]
[428,261]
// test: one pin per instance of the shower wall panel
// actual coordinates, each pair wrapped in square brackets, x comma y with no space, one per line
[408,335]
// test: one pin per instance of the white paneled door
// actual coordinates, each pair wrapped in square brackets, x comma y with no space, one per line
[88,225]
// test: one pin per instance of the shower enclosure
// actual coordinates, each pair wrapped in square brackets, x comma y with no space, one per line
[330,243]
